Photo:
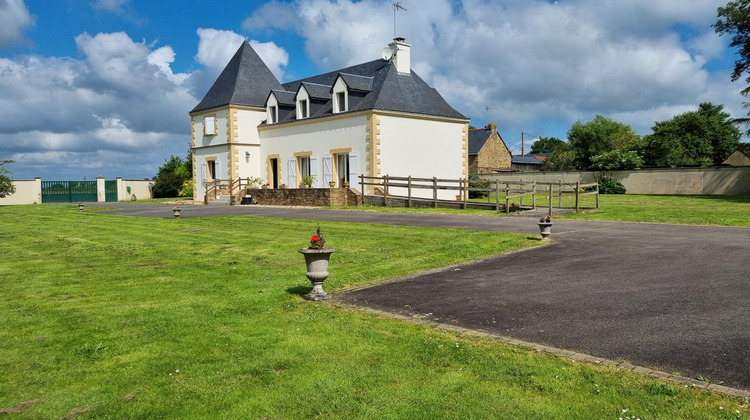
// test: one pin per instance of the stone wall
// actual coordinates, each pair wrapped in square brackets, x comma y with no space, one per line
[667,181]
[309,197]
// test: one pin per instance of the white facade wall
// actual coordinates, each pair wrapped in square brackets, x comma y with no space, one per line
[320,138]
[421,148]
[246,140]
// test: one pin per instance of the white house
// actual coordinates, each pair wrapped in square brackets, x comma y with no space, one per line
[375,118]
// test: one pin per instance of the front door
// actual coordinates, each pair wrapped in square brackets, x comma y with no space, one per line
[342,168]
[275,173]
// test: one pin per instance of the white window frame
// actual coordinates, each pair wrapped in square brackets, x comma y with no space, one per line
[303,103]
[340,88]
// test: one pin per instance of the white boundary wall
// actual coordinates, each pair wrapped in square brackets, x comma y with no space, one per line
[734,180]
[30,191]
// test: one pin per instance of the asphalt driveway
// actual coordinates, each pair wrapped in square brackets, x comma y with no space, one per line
[669,297]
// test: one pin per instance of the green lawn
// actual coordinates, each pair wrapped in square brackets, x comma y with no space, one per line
[114,317]
[686,209]
[721,210]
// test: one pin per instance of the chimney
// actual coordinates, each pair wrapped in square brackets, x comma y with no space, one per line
[401,55]
[492,127]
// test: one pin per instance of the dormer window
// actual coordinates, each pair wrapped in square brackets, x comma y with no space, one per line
[273,114]
[303,108]
[340,105]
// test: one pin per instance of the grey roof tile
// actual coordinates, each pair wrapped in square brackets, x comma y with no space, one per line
[246,80]
[317,91]
[477,138]
[359,83]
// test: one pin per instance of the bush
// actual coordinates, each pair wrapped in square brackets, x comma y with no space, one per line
[610,186]
[187,188]
[616,160]
[474,182]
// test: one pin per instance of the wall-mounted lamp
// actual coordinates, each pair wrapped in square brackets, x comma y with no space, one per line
[247,155]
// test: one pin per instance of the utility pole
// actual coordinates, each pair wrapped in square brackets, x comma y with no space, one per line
[522,142]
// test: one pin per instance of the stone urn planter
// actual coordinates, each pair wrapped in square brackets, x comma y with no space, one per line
[545,227]
[80,206]
[317,271]
[332,184]
[176,211]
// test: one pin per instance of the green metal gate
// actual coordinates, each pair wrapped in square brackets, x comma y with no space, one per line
[110,190]
[68,191]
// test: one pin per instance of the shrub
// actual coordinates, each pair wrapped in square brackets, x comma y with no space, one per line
[610,186]
[187,188]
[474,182]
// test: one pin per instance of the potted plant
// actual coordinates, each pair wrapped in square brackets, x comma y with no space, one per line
[176,211]
[545,227]
[317,256]
[266,186]
[332,184]
[307,181]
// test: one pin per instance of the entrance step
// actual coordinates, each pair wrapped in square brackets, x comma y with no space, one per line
[221,201]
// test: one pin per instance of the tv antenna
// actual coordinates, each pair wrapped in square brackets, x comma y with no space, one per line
[490,109]
[396,7]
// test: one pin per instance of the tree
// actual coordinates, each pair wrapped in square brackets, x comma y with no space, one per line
[559,160]
[734,20]
[616,160]
[599,136]
[7,187]
[171,176]
[703,137]
[548,145]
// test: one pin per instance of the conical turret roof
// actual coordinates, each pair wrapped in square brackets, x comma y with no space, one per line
[246,80]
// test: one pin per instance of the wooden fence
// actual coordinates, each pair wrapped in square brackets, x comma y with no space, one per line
[510,190]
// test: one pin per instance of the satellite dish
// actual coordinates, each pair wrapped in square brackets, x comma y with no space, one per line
[386,53]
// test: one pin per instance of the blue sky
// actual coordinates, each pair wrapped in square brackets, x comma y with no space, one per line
[103,87]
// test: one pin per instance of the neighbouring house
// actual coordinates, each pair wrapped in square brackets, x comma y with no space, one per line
[375,118]
[487,151]
[741,157]
[529,162]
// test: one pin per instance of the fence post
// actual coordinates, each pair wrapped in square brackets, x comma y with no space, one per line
[578,186]
[497,195]
[521,190]
[466,191]
[362,187]
[533,195]
[551,191]
[507,200]
[409,190]
[559,195]
[434,190]
[385,190]
[597,195]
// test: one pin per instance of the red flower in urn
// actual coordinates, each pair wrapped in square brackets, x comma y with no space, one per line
[317,241]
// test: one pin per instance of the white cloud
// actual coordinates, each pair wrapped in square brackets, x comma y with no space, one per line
[14,19]
[216,48]
[111,6]
[531,59]
[121,99]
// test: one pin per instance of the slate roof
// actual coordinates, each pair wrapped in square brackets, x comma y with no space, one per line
[477,138]
[375,85]
[358,83]
[526,160]
[317,91]
[245,80]
[284,97]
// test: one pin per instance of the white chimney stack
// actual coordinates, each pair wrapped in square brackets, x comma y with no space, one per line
[401,55]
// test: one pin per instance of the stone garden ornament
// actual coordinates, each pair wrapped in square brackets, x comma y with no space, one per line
[545,227]
[317,256]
